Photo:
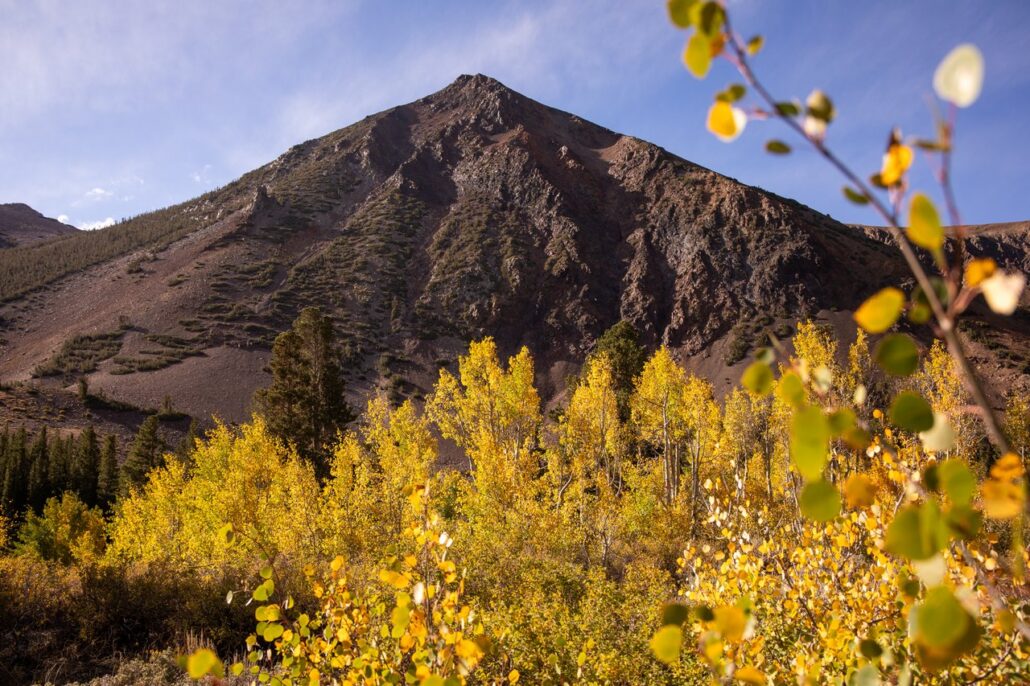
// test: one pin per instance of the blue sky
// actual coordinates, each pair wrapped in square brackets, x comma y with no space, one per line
[109,109]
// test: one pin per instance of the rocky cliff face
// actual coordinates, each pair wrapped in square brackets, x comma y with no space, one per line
[474,211]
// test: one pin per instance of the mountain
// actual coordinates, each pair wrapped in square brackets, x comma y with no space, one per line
[22,225]
[474,211]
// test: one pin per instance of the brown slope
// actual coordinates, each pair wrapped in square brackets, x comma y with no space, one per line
[22,225]
[475,211]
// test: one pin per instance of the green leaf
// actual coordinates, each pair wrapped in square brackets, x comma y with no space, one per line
[272,631]
[924,224]
[202,662]
[964,521]
[708,18]
[879,312]
[956,480]
[733,93]
[941,620]
[855,196]
[842,421]
[666,643]
[917,532]
[820,501]
[910,412]
[868,675]
[698,55]
[755,44]
[809,440]
[758,378]
[787,109]
[897,355]
[266,572]
[777,147]
[674,613]
[791,390]
[262,592]
[679,12]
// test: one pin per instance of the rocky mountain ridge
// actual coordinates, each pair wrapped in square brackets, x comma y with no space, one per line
[474,211]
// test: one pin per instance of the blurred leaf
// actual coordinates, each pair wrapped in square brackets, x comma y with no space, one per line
[819,106]
[978,270]
[777,147]
[911,412]
[788,109]
[202,662]
[674,613]
[956,481]
[679,12]
[924,224]
[939,438]
[758,378]
[820,501]
[809,440]
[897,354]
[698,55]
[666,643]
[754,45]
[854,196]
[733,93]
[791,390]
[917,532]
[879,312]
[959,77]
[725,121]
[859,491]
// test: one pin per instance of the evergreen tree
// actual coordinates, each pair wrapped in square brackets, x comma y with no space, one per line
[84,466]
[626,356]
[15,477]
[57,466]
[145,453]
[304,405]
[107,472]
[188,443]
[38,487]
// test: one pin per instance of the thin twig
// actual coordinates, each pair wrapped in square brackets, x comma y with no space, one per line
[945,323]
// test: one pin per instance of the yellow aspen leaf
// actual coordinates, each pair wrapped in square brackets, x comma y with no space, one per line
[977,271]
[750,675]
[1008,466]
[1002,499]
[666,643]
[513,676]
[924,224]
[879,312]
[896,162]
[679,12]
[725,121]
[697,55]
[202,662]
[859,491]
[730,622]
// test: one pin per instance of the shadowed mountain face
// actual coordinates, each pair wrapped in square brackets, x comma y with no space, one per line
[22,225]
[475,211]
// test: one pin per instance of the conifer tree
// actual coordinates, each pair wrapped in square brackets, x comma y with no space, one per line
[15,476]
[38,486]
[84,465]
[145,454]
[305,405]
[107,472]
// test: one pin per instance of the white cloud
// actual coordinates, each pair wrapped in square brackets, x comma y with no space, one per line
[99,224]
[97,193]
[63,218]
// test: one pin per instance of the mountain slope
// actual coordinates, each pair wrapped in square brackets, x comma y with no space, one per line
[474,211]
[22,225]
